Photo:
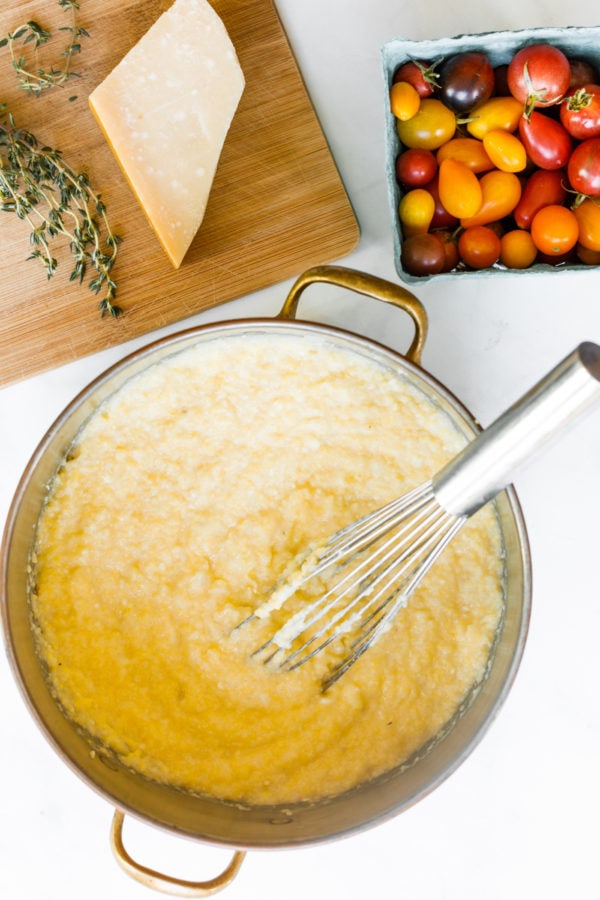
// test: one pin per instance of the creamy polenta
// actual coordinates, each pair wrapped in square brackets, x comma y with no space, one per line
[183,498]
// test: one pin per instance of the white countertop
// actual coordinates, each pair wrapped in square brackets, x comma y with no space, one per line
[519,818]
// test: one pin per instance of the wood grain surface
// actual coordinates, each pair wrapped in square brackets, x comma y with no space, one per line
[277,205]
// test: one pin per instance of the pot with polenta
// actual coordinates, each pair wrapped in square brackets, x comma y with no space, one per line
[157,514]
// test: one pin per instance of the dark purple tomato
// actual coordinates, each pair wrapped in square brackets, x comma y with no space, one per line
[582,72]
[466,81]
[423,254]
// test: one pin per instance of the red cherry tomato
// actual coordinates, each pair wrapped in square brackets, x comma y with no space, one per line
[479,247]
[580,112]
[448,239]
[547,142]
[538,75]
[583,168]
[466,80]
[421,75]
[416,167]
[543,188]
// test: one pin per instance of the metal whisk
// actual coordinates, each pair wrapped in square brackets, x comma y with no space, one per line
[366,572]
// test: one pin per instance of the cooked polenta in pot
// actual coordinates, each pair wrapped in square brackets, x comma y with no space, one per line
[185,495]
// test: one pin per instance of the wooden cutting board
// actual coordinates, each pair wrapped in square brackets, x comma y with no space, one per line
[277,205]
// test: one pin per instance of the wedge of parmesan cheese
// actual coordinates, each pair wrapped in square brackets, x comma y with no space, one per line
[165,111]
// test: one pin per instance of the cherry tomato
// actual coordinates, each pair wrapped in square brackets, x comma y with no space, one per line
[416,210]
[543,188]
[501,191]
[441,216]
[421,75]
[505,150]
[587,214]
[582,72]
[498,112]
[547,142]
[466,80]
[501,80]
[469,151]
[517,250]
[479,247]
[538,75]
[404,100]
[432,126]
[460,191]
[423,254]
[554,230]
[583,168]
[580,112]
[587,257]
[448,239]
[416,167]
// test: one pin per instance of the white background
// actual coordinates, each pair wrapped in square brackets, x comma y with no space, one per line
[519,818]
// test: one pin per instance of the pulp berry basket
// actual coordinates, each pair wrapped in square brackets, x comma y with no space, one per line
[500,47]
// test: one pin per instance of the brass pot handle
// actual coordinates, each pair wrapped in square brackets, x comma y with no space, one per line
[177,887]
[370,286]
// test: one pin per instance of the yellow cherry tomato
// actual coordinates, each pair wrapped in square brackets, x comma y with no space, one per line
[517,250]
[416,211]
[497,112]
[501,192]
[431,127]
[404,100]
[459,189]
[505,150]
[469,151]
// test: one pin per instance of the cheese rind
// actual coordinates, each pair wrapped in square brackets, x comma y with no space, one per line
[165,111]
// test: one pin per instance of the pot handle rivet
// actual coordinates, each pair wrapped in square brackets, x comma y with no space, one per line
[370,286]
[167,884]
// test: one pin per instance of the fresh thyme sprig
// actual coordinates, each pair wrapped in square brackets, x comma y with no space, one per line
[40,188]
[31,76]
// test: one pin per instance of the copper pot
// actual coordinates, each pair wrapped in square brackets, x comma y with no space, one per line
[208,819]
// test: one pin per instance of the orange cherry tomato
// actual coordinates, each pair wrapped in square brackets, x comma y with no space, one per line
[479,247]
[497,112]
[469,151]
[517,250]
[416,209]
[432,126]
[554,230]
[588,257]
[505,150]
[460,191]
[588,219]
[501,192]
[404,100]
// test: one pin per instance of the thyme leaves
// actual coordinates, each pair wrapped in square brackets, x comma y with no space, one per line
[38,186]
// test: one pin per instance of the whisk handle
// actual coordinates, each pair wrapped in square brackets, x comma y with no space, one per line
[489,462]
